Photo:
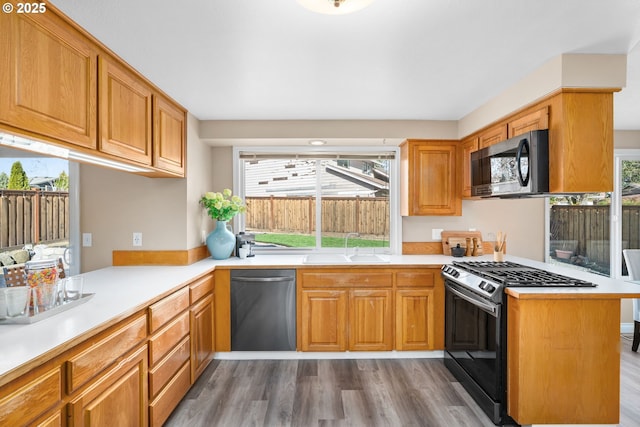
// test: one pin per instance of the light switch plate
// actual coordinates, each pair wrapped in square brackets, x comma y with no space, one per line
[86,240]
[435,233]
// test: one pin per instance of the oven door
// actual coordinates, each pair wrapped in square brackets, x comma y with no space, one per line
[474,344]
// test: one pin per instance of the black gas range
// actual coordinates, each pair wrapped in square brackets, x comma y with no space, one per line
[488,279]
[476,325]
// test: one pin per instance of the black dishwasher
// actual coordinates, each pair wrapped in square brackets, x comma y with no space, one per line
[263,310]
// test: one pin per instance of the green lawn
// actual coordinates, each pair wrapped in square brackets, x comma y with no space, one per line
[306,241]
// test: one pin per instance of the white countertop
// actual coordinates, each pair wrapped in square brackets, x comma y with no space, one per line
[121,291]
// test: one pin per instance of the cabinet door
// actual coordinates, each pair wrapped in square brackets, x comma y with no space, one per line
[118,398]
[415,319]
[493,135]
[169,123]
[125,112]
[202,336]
[434,184]
[324,320]
[47,78]
[535,120]
[468,146]
[370,320]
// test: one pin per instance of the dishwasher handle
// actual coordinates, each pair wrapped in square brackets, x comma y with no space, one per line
[262,279]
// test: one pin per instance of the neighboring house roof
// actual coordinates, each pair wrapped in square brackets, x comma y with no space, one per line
[298,178]
[631,189]
[45,183]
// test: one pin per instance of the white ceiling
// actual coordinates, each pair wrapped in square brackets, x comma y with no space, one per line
[397,59]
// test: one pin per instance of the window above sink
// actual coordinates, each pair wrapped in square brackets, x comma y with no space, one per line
[310,199]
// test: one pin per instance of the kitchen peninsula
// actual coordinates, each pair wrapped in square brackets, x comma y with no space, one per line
[58,355]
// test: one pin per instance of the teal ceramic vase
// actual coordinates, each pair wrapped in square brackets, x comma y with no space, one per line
[221,241]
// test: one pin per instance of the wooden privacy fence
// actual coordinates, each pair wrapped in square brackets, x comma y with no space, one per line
[585,230]
[364,215]
[33,216]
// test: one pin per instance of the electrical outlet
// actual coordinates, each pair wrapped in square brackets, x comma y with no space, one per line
[137,239]
[86,240]
[435,233]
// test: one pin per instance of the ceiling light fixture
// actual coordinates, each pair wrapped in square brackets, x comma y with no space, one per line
[317,142]
[335,7]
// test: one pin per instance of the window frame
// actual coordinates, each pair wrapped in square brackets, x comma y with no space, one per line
[395,223]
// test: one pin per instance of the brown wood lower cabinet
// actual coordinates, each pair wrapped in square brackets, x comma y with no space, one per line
[564,361]
[53,420]
[338,311]
[202,336]
[170,396]
[370,320]
[132,374]
[30,396]
[415,319]
[324,320]
[117,398]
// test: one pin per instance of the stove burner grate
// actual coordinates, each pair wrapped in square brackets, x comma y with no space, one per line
[513,274]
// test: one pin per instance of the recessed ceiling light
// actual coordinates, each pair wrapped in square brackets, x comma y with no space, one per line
[317,142]
[335,7]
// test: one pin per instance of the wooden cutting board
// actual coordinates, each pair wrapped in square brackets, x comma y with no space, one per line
[451,238]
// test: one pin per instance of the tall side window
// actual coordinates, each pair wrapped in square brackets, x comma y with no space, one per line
[626,208]
[313,200]
[589,231]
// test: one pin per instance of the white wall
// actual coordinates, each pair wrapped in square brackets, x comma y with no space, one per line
[522,220]
[115,204]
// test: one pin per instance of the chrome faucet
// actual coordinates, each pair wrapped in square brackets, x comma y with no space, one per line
[346,242]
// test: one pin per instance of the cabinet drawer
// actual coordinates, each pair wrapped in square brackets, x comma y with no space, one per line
[415,278]
[53,420]
[106,351]
[166,309]
[162,373]
[161,408]
[345,279]
[119,397]
[23,405]
[201,288]
[162,343]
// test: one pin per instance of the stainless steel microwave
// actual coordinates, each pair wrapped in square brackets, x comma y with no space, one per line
[517,167]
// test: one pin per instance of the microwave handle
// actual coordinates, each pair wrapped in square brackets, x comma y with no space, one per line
[524,145]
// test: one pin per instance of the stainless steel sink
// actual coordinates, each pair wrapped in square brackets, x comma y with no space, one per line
[368,259]
[326,259]
[343,259]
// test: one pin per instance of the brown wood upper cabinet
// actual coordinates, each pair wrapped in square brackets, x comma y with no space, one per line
[534,120]
[467,147]
[492,135]
[53,74]
[169,130]
[48,77]
[125,112]
[429,178]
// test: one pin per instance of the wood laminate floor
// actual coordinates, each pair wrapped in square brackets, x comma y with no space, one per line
[400,392]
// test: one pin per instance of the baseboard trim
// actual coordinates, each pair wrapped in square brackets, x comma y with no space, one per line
[626,328]
[298,355]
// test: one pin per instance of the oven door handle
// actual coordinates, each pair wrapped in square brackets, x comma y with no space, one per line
[489,308]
